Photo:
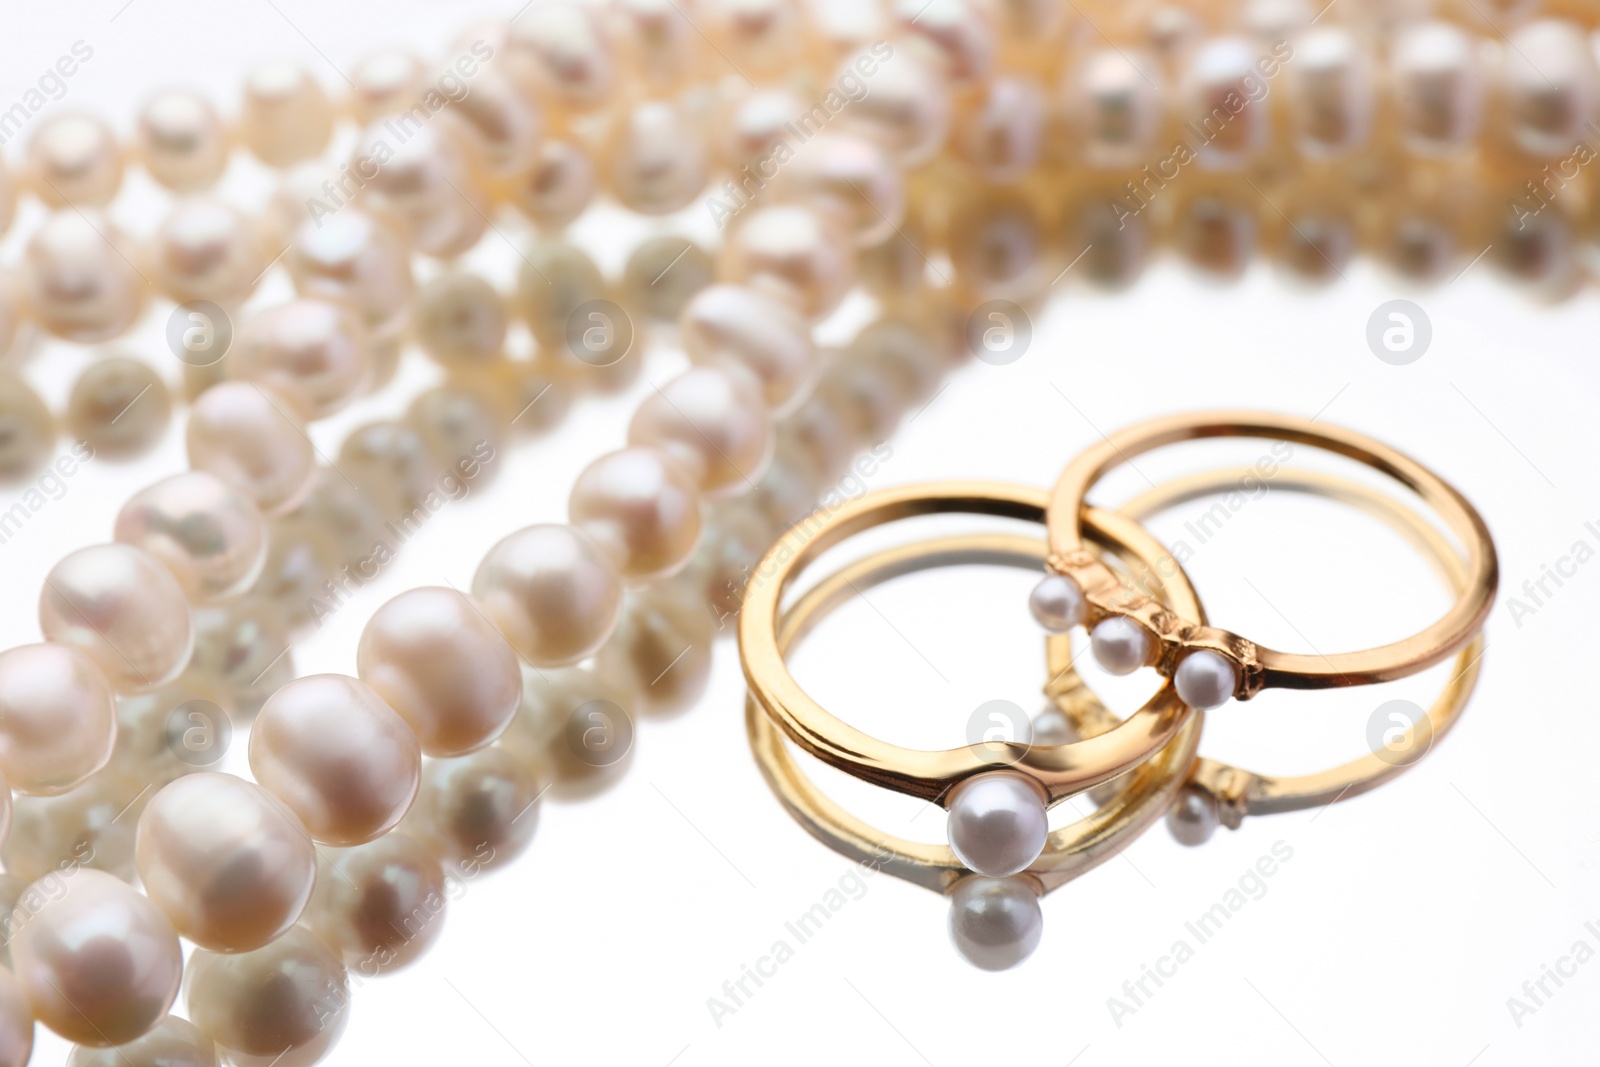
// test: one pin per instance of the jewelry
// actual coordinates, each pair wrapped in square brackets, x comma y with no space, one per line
[996,922]
[1210,665]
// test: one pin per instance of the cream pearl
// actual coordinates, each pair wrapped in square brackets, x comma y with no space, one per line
[818,429]
[1057,603]
[1331,80]
[1552,86]
[734,325]
[641,508]
[1121,645]
[209,534]
[241,655]
[207,250]
[91,825]
[173,1042]
[997,822]
[58,719]
[567,54]
[16,1023]
[99,964]
[1003,135]
[79,277]
[16,333]
[1217,91]
[754,126]
[552,592]
[764,37]
[854,178]
[662,275]
[729,550]
[798,253]
[314,352]
[123,609]
[661,651]
[573,726]
[286,1003]
[655,159]
[713,422]
[1114,106]
[27,430]
[907,109]
[74,161]
[356,258]
[422,182]
[1438,86]
[503,127]
[663,43]
[227,862]
[379,905]
[286,116]
[181,141]
[252,439]
[8,197]
[460,429]
[997,245]
[386,83]
[119,407]
[434,657]
[996,923]
[392,466]
[558,186]
[1193,817]
[554,280]
[959,33]
[458,318]
[478,812]
[1218,237]
[1205,679]
[338,756]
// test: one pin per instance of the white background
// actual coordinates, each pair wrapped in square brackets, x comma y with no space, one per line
[1395,934]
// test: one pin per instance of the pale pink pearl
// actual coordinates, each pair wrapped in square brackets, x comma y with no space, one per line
[229,863]
[98,963]
[642,508]
[762,37]
[731,325]
[502,125]
[58,718]
[663,42]
[1003,135]
[906,106]
[1223,94]
[1551,86]
[380,905]
[959,33]
[655,159]
[122,608]
[478,812]
[286,116]
[853,177]
[558,186]
[552,592]
[386,82]
[338,756]
[286,1003]
[254,440]
[209,533]
[181,141]
[354,257]
[74,162]
[797,253]
[79,277]
[207,250]
[418,175]
[16,1023]
[1113,103]
[439,662]
[565,51]
[8,197]
[314,352]
[711,421]
[753,128]
[174,1042]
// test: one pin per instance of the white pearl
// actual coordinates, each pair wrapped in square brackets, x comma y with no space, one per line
[995,922]
[1332,78]
[1193,817]
[1052,727]
[997,823]
[122,608]
[1057,603]
[1552,86]
[1205,679]
[207,532]
[1121,645]
[1438,86]
[1114,105]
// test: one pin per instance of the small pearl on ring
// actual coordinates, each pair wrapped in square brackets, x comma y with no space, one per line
[1057,603]
[1205,679]
[1121,645]
[997,823]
